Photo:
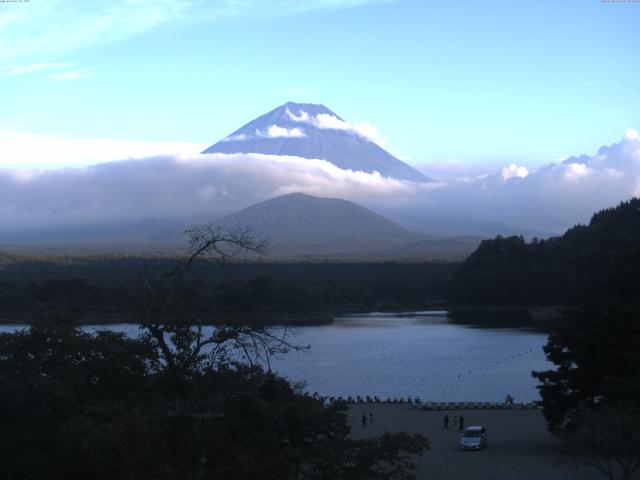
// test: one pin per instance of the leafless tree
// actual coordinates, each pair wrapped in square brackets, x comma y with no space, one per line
[182,341]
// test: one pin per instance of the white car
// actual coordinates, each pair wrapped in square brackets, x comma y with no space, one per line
[473,438]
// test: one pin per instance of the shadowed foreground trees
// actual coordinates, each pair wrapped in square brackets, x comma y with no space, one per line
[592,398]
[173,403]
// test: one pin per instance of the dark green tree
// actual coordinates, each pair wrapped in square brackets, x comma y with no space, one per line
[596,350]
[595,262]
[592,398]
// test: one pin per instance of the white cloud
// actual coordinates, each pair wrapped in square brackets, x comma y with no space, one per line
[240,137]
[37,67]
[25,150]
[513,171]
[631,134]
[56,26]
[331,122]
[300,117]
[72,75]
[275,131]
[574,172]
[177,186]
[551,198]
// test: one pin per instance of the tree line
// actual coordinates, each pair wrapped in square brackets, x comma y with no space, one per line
[594,262]
[90,288]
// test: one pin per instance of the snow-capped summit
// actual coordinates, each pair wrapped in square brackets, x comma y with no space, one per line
[313,131]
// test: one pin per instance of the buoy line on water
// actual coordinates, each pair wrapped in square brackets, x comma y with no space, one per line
[498,363]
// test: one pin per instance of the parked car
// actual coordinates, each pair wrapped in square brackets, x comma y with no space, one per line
[473,438]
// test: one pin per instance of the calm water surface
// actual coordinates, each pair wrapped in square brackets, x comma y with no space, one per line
[419,354]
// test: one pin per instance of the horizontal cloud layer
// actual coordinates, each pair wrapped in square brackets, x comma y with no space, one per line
[551,198]
[176,186]
[28,150]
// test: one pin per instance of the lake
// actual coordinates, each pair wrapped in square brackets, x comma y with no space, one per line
[428,354]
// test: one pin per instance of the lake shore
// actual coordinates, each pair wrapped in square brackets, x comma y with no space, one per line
[540,317]
[213,319]
[519,445]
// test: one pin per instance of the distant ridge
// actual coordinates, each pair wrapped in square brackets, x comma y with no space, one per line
[313,131]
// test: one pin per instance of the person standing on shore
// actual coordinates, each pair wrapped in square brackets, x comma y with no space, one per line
[445,422]
[371,419]
[455,421]
[364,420]
[461,423]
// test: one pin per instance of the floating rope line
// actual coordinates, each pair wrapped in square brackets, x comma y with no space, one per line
[499,363]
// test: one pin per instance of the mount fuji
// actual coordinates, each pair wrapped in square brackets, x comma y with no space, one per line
[313,131]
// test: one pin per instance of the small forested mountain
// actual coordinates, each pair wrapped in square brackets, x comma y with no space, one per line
[594,262]
[300,223]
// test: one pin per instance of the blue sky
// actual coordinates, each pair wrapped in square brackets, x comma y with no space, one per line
[480,82]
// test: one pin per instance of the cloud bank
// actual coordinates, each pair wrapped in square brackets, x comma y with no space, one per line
[31,150]
[175,186]
[553,197]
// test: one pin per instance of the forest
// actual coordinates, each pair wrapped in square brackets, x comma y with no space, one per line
[91,288]
[589,263]
[594,262]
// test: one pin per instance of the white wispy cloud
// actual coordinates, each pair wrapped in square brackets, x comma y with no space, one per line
[37,67]
[274,131]
[66,25]
[71,75]
[331,122]
[34,150]
[240,137]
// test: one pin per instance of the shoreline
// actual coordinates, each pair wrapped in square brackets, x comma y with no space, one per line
[537,316]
